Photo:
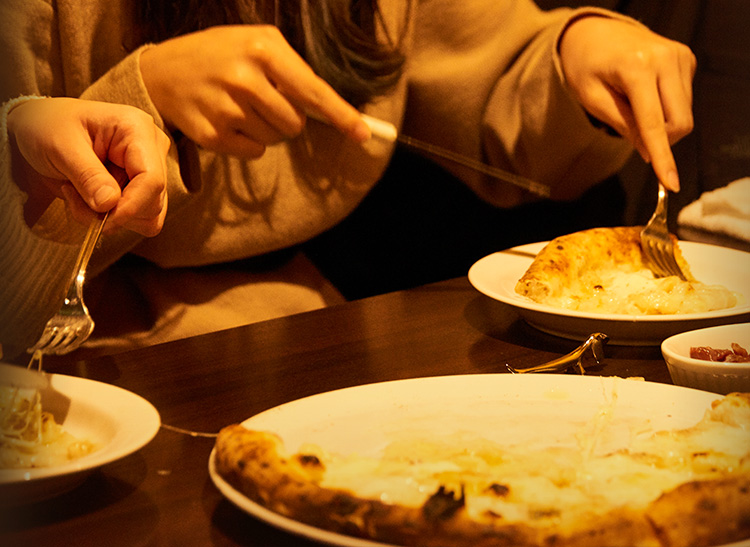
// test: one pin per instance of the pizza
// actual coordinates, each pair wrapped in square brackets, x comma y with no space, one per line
[602,270]
[669,488]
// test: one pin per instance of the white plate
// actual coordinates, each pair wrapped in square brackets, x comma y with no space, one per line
[118,421]
[508,409]
[496,276]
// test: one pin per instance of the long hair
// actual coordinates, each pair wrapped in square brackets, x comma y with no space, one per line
[337,38]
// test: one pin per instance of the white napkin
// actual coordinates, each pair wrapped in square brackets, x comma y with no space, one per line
[724,211]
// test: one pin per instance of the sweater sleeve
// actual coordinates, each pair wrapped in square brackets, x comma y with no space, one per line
[28,296]
[490,72]
[123,84]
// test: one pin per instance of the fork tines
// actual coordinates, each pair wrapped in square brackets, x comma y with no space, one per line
[657,244]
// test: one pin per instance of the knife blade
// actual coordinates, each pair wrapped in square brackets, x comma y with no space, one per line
[387,131]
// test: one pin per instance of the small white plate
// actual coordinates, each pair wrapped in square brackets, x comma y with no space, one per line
[118,421]
[534,410]
[496,276]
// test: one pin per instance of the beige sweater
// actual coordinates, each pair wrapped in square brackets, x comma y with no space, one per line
[483,79]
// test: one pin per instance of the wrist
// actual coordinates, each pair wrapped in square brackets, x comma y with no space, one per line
[148,65]
[27,179]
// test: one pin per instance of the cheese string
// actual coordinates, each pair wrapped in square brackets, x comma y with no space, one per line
[21,415]
[188,431]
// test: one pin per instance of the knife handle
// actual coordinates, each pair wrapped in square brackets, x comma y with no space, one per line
[381,128]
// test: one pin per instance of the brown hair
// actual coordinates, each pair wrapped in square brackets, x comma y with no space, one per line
[336,37]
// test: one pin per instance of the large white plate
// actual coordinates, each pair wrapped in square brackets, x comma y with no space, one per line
[536,410]
[118,421]
[496,276]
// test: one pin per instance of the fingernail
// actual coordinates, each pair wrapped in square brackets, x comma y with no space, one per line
[673,180]
[362,132]
[103,195]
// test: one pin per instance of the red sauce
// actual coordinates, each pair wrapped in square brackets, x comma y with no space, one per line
[737,354]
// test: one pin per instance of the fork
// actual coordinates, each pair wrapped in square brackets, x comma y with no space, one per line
[656,243]
[574,359]
[72,324]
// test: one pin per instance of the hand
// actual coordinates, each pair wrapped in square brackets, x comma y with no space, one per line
[634,80]
[237,89]
[83,152]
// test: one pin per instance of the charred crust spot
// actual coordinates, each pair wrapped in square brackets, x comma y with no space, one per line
[241,464]
[309,460]
[443,504]
[706,504]
[343,504]
[599,287]
[500,490]
[544,513]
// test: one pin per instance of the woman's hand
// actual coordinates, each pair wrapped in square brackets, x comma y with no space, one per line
[237,89]
[84,152]
[634,80]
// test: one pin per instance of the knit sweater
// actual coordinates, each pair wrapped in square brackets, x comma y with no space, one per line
[483,78]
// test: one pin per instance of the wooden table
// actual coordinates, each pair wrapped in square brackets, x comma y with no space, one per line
[162,495]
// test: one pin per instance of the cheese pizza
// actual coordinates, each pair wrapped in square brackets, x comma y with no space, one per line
[684,487]
[602,270]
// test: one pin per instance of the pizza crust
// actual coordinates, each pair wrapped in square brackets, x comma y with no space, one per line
[703,514]
[713,509]
[255,463]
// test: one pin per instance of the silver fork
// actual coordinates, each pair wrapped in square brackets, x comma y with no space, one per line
[574,359]
[72,324]
[656,243]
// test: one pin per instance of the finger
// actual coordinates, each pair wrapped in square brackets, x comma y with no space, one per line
[646,103]
[296,80]
[143,205]
[688,65]
[236,143]
[607,105]
[259,120]
[674,74]
[224,134]
[677,107]
[142,208]
[79,209]
[270,117]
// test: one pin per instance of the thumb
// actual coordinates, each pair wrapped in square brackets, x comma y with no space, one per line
[90,178]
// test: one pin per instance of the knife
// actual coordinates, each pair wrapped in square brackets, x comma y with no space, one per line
[388,132]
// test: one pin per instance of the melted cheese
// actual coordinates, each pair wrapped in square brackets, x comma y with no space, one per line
[639,293]
[559,484]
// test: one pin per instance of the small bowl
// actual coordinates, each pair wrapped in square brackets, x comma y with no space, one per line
[719,377]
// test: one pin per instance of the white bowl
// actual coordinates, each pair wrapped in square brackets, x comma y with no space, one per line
[719,377]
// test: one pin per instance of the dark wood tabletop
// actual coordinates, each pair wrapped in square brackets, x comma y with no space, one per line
[163,495]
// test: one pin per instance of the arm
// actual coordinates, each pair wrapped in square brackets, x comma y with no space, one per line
[506,78]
